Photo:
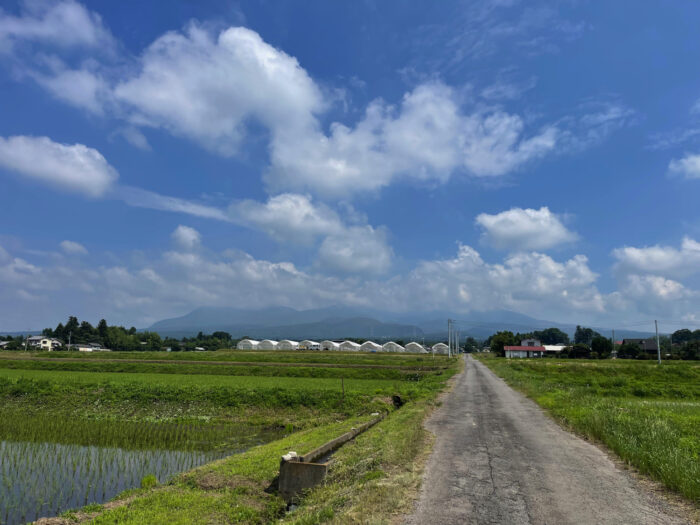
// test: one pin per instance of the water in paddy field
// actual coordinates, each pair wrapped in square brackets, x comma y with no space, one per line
[46,479]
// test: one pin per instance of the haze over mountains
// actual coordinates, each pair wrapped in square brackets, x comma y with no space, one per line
[340,322]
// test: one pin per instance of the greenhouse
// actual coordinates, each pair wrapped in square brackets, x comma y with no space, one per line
[330,345]
[370,346]
[440,348]
[415,348]
[308,344]
[391,346]
[247,344]
[349,346]
[287,344]
[267,344]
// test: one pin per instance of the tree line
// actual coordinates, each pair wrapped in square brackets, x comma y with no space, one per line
[123,339]
[589,344]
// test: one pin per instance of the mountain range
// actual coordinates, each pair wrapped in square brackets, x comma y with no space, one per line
[337,322]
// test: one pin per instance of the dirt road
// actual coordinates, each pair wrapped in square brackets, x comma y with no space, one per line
[498,459]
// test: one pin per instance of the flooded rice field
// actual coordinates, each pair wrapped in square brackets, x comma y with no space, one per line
[40,479]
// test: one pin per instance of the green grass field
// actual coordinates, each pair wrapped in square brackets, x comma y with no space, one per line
[207,403]
[648,414]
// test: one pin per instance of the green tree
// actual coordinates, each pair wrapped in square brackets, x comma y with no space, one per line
[628,351]
[601,346]
[501,339]
[584,335]
[71,328]
[552,336]
[580,351]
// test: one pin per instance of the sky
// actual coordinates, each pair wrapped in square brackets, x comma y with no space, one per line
[538,157]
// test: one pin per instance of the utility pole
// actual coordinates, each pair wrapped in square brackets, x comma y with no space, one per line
[658,346]
[449,337]
[70,334]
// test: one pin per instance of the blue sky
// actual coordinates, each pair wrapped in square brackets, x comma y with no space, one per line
[405,156]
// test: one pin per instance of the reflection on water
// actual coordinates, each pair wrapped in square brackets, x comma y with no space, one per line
[45,479]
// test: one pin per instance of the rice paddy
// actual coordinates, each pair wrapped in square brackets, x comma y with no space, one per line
[74,434]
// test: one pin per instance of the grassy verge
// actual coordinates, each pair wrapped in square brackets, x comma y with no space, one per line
[647,414]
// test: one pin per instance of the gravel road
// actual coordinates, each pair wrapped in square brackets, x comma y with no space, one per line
[499,459]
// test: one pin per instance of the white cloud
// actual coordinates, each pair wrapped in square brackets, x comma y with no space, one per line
[186,237]
[65,24]
[524,229]
[660,260]
[135,137]
[358,249]
[73,248]
[687,167]
[288,217]
[207,88]
[653,287]
[525,282]
[74,167]
[149,288]
[427,138]
[78,87]
[294,218]
[155,201]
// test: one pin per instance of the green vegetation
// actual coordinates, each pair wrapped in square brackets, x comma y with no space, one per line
[158,415]
[648,414]
[226,369]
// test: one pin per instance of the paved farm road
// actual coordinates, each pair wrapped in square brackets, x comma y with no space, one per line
[498,459]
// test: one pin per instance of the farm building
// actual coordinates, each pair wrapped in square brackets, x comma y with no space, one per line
[349,346]
[415,348]
[308,344]
[267,344]
[391,346]
[370,346]
[440,348]
[247,344]
[554,348]
[286,344]
[524,351]
[330,345]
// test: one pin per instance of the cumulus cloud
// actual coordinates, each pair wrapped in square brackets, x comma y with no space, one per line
[687,167]
[288,217]
[427,138]
[186,237]
[297,219]
[206,88]
[65,24]
[524,229]
[358,249]
[76,167]
[660,260]
[653,287]
[73,248]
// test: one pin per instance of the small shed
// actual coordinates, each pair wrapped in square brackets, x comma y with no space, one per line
[308,344]
[267,344]
[349,346]
[391,346]
[370,346]
[415,348]
[288,344]
[247,344]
